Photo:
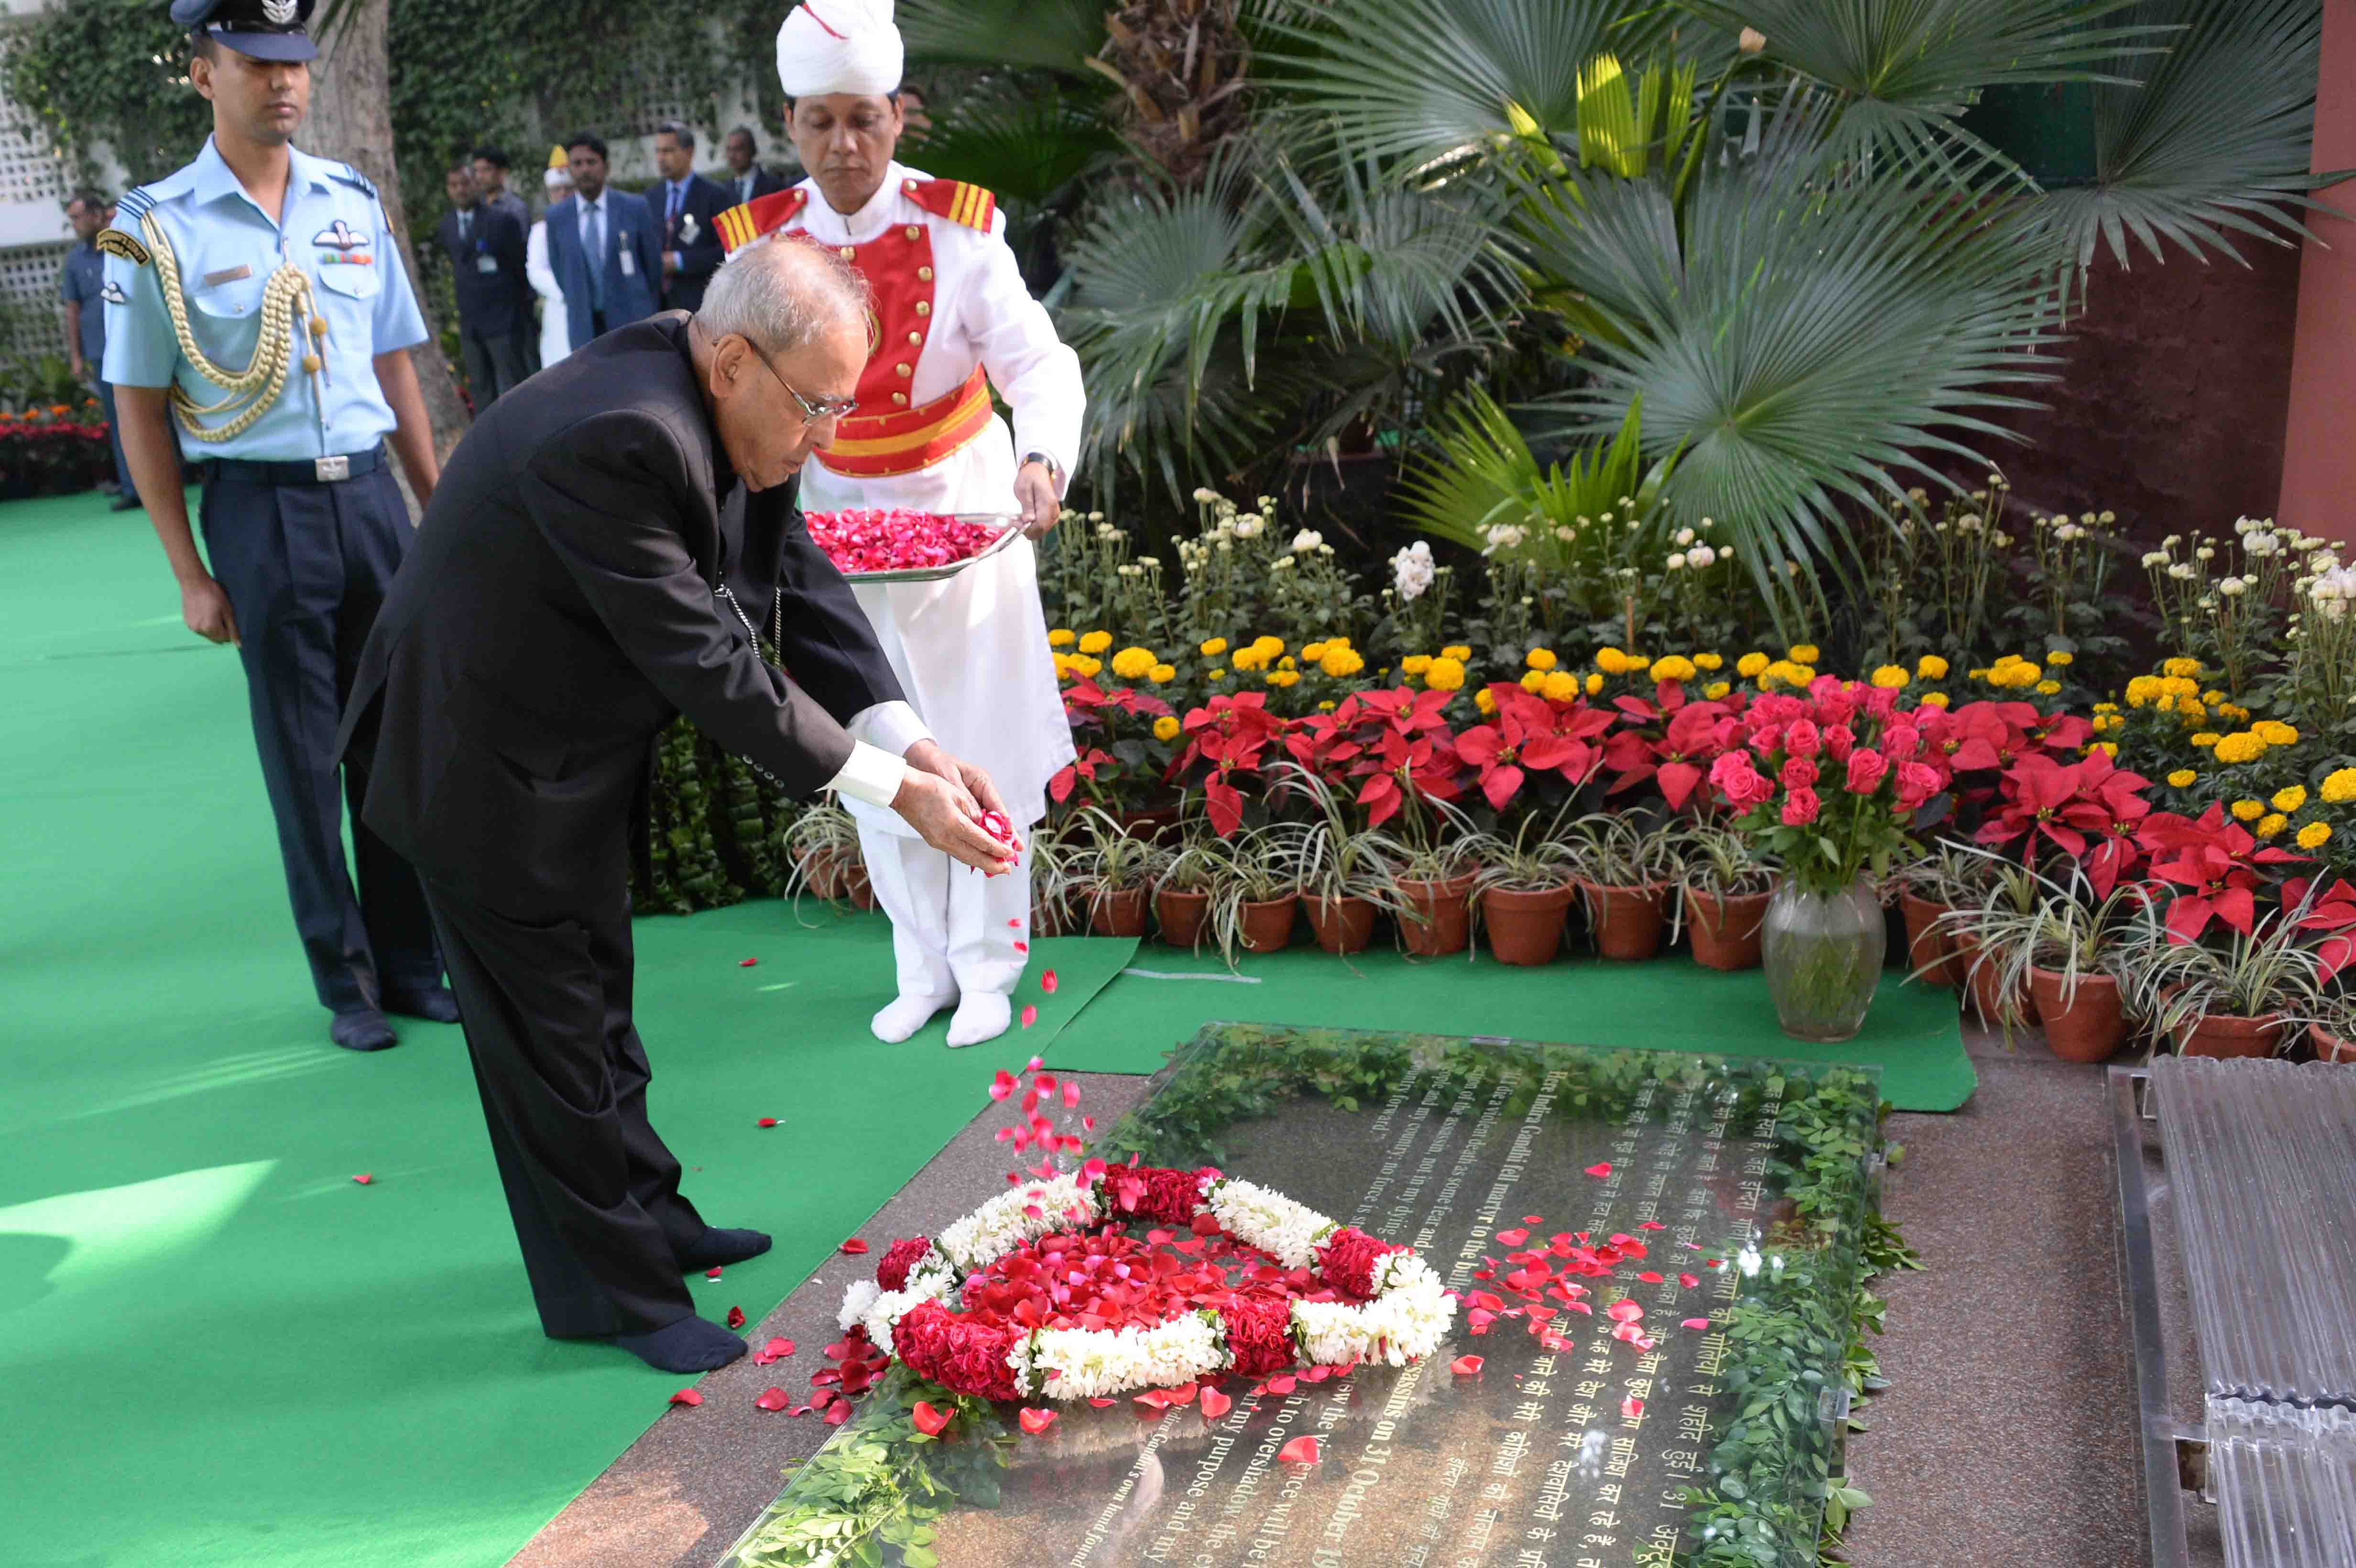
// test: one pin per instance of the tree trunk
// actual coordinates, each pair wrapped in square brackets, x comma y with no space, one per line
[351,119]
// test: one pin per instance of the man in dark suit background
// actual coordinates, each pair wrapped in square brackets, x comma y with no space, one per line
[604,248]
[745,178]
[599,550]
[685,204]
[485,246]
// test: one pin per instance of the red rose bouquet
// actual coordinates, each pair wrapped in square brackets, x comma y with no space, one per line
[1827,783]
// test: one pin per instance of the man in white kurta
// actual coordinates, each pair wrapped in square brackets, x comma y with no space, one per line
[952,320]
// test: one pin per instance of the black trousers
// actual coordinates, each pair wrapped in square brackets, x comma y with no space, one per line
[306,568]
[495,363]
[593,1190]
[115,439]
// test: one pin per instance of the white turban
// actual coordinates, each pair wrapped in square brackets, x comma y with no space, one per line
[839,46]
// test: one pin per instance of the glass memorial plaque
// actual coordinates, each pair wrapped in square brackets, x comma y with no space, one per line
[1653,1256]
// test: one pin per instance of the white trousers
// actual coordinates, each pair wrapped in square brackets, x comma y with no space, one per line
[954,931]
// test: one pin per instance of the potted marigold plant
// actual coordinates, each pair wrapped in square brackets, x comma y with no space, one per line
[1625,868]
[1826,784]
[1724,888]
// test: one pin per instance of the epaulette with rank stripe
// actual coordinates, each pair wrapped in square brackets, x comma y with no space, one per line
[120,237]
[133,206]
[353,177]
[954,199]
[742,224]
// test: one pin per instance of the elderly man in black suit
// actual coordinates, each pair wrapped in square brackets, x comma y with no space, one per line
[598,555]
[485,246]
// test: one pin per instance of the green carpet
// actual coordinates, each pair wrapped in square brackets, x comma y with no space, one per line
[219,1351]
[1670,1004]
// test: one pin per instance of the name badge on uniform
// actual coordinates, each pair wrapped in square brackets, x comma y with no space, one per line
[486,264]
[226,275]
[629,263]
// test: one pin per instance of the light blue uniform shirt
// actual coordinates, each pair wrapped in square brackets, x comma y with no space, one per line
[334,227]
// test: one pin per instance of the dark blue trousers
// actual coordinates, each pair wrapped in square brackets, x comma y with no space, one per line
[305,568]
[114,438]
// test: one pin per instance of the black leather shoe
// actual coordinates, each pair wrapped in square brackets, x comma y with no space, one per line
[362,1028]
[125,504]
[436,1006]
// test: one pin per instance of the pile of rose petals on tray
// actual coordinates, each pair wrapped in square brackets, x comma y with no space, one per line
[871,538]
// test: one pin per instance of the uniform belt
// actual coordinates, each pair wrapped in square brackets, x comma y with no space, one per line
[309,471]
[902,441]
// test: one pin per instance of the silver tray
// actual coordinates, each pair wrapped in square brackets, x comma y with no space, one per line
[1011,531]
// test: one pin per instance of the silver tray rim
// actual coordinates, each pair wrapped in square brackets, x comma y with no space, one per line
[1008,535]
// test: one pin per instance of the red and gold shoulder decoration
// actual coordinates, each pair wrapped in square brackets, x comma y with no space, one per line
[953,199]
[740,226]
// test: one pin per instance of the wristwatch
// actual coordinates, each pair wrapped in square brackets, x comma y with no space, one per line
[1054,469]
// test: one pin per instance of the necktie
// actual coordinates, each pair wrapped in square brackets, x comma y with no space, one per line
[466,221]
[743,187]
[593,246]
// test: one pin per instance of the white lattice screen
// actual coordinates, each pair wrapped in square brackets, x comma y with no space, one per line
[34,325]
[30,169]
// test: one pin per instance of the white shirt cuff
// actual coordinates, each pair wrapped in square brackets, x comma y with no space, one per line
[892,726]
[872,775]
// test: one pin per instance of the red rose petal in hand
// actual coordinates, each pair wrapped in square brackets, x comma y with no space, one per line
[687,1396]
[1466,1366]
[772,1399]
[1599,1169]
[854,1247]
[736,1317]
[1302,1450]
[929,1421]
[1633,1408]
[1035,1420]
[1216,1404]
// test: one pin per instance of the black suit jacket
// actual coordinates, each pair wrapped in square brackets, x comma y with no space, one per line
[767,181]
[495,303]
[698,244]
[558,607]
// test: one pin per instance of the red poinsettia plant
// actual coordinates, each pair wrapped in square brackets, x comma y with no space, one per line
[1391,750]
[1533,750]
[2219,869]
[1827,783]
[1122,757]
[1671,742]
[2089,812]
[1229,744]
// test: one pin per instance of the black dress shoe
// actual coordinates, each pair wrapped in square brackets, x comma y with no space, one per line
[362,1028]
[125,504]
[436,1006]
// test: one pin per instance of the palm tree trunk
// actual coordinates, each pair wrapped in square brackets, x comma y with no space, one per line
[351,119]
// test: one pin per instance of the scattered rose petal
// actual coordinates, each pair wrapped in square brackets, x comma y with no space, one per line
[1071,1096]
[1533,1219]
[775,1350]
[854,1247]
[1633,1408]
[1303,1450]
[1465,1366]
[1030,1015]
[1047,982]
[364,1177]
[838,1413]
[736,1317]
[1022,947]
[1651,1225]
[687,1396]
[1695,1323]
[1601,1168]
[1153,1399]
[1014,925]
[746,962]
[1624,1311]
[1035,1421]
[767,1122]
[772,1399]
[1216,1404]
[1184,1393]
[1688,1280]
[1649,1277]
[931,1422]
[712,1273]
[1512,1238]
[1099,1403]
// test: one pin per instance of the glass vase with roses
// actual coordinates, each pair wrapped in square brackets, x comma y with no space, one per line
[1825,781]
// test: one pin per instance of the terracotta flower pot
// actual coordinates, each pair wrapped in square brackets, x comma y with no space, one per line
[2090,1026]
[2221,1034]
[1181,915]
[1438,919]
[2329,1047]
[1119,911]
[1266,926]
[1155,823]
[1627,922]
[855,883]
[1343,925]
[1726,928]
[1929,948]
[822,874]
[1525,927]
[1982,987]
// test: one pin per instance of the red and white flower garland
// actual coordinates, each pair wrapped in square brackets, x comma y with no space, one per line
[1380,1303]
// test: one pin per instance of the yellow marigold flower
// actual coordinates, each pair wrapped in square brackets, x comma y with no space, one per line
[1980,674]
[1541,659]
[1337,642]
[1213,648]
[2180,667]
[2142,689]
[1802,653]
[1456,651]
[2315,836]
[1163,674]
[2108,748]
[1674,667]
[1285,662]
[1327,707]
[1485,701]
[1313,652]
[1415,663]
[1096,642]
[2048,688]
[2106,707]
[1711,662]
[1214,675]
[1931,666]
[1716,690]
[1445,673]
[2207,738]
[1790,674]
[1534,681]
[1749,665]
[2271,825]
[1250,658]
[2340,786]
[1062,637]
[2232,714]
[2242,746]
[1935,699]
[2274,732]
[1611,660]
[2062,657]
[1891,677]
[2249,810]
[1339,662]
[2177,685]
[2214,697]
[2290,797]
[2183,778]
[1594,685]
[1165,728]
[1134,662]
[1283,677]
[1271,646]
[1559,685]
[1637,665]
[2191,708]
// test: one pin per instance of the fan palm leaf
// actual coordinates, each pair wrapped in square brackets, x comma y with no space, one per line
[1061,35]
[1481,472]
[1026,147]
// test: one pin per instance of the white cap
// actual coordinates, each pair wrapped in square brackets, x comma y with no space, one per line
[839,46]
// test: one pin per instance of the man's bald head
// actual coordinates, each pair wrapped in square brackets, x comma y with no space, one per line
[782,294]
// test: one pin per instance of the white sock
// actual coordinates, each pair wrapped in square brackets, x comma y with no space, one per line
[905,1016]
[981,1015]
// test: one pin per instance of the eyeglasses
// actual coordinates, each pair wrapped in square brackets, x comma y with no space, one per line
[813,409]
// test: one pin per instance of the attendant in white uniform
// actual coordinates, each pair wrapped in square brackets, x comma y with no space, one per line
[555,341]
[952,319]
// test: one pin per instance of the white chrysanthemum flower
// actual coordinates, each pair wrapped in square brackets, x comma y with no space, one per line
[885,1312]
[1412,570]
[1095,1363]
[1676,561]
[1306,540]
[855,1302]
[1700,556]
[1002,1224]
[1256,1216]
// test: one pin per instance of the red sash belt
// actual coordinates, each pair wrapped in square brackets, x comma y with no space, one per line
[878,447]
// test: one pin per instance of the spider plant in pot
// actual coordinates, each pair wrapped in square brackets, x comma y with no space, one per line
[1951,875]
[1059,882]
[823,846]
[2008,891]
[2332,1031]
[1348,873]
[1432,880]
[1624,866]
[1255,888]
[1182,899]
[2064,953]
[2229,993]
[1724,886]
[1523,889]
[1117,867]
